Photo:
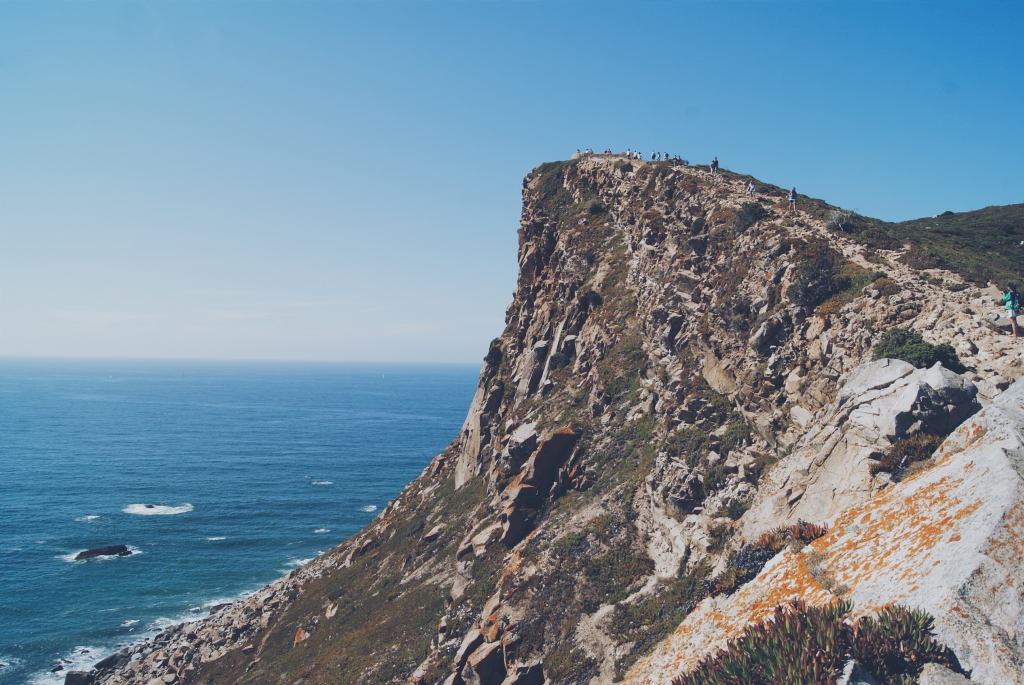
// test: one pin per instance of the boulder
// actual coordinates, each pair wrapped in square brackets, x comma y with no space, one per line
[432,534]
[79,678]
[474,638]
[882,402]
[485,666]
[115,660]
[947,540]
[934,674]
[855,674]
[108,551]
[527,674]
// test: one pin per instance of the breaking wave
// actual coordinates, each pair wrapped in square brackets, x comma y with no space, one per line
[157,509]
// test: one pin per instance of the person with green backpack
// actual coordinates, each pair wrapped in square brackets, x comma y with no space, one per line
[1012,301]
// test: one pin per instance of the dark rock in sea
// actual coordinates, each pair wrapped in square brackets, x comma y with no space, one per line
[79,678]
[108,551]
[57,668]
[217,607]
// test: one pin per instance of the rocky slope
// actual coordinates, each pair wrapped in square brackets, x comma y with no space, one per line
[683,368]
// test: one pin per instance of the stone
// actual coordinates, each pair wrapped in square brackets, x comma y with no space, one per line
[432,534]
[485,666]
[115,660]
[108,551]
[473,639]
[800,415]
[829,471]
[527,674]
[80,678]
[934,674]
[482,540]
[947,540]
[855,674]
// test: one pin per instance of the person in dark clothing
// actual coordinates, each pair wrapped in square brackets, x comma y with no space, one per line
[792,199]
[714,166]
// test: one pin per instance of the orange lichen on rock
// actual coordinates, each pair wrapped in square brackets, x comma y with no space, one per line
[950,540]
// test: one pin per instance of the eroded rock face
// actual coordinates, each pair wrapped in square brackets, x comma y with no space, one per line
[949,540]
[651,368]
[882,402]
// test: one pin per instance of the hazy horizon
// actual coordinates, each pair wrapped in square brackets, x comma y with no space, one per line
[342,181]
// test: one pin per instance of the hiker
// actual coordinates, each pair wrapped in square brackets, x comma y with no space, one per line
[792,199]
[751,189]
[714,166]
[1012,301]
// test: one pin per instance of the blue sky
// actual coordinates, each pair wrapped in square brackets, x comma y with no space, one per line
[342,181]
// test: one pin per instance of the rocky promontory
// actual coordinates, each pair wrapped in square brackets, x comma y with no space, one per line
[687,436]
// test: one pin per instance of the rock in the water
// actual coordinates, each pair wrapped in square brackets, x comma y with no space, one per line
[109,551]
[79,678]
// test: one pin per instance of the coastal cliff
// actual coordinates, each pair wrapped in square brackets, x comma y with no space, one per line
[686,370]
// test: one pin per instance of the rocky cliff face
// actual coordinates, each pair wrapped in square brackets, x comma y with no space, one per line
[683,368]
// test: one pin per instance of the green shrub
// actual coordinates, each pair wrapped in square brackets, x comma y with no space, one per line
[558,360]
[734,509]
[903,453]
[908,345]
[818,277]
[803,645]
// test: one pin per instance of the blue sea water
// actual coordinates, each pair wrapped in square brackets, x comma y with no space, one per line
[251,468]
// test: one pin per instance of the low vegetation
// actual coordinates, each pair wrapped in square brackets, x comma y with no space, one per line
[908,345]
[907,456]
[804,645]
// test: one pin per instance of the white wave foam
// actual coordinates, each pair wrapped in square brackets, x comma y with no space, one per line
[295,563]
[322,530]
[369,507]
[157,509]
[88,518]
[322,482]
[129,623]
[216,539]
[78,659]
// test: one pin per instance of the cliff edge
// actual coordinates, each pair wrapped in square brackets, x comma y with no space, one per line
[686,369]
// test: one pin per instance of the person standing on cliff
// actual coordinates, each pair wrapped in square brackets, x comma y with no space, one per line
[714,166]
[751,189]
[1012,301]
[792,199]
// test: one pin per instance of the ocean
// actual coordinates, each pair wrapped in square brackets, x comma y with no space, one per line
[220,477]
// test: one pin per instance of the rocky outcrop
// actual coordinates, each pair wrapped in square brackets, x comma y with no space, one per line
[948,540]
[108,551]
[656,377]
[882,401]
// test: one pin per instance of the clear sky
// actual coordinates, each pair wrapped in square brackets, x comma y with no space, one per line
[342,181]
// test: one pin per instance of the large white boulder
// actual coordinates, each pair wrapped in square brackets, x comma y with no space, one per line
[881,402]
[949,539]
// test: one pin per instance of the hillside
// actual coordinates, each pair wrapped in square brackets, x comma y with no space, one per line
[683,370]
